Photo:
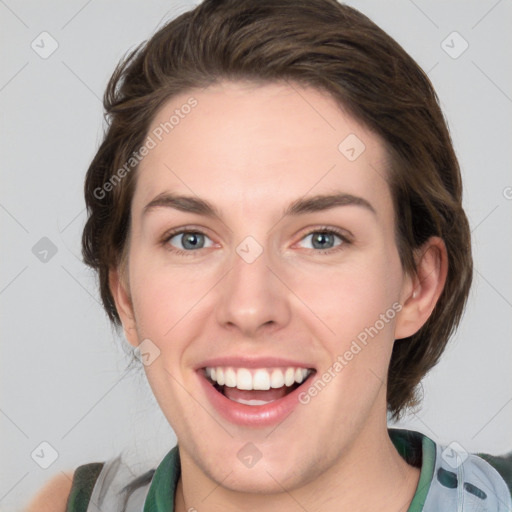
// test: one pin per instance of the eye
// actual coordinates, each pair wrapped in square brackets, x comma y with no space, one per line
[324,240]
[187,241]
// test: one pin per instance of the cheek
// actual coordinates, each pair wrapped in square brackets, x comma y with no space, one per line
[352,298]
[359,305]
[164,297]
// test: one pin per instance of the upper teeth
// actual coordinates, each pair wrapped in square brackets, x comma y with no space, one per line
[256,378]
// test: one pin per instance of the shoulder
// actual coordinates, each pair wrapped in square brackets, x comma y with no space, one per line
[452,478]
[502,464]
[106,484]
[68,491]
[476,481]
[53,496]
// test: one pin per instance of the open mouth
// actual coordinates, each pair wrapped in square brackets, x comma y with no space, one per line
[256,386]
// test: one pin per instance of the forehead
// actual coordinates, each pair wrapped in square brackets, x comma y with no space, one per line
[267,144]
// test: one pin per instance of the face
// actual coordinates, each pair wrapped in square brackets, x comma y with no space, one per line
[270,296]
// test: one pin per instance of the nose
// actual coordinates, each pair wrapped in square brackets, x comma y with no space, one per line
[254,298]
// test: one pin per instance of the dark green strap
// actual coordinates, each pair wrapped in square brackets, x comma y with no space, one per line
[83,483]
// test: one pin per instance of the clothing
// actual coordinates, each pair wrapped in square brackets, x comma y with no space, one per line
[450,481]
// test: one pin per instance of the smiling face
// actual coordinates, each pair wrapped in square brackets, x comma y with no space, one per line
[256,281]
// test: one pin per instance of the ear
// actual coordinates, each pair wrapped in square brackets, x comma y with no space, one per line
[422,290]
[119,288]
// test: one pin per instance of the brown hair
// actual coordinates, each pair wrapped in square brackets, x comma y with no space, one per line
[318,43]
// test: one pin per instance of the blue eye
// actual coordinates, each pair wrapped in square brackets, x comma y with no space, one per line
[325,239]
[189,240]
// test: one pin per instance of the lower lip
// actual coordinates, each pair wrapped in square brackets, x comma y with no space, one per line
[252,415]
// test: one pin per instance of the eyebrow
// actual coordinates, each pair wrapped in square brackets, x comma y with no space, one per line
[301,206]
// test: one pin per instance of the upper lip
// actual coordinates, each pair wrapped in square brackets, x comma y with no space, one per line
[253,362]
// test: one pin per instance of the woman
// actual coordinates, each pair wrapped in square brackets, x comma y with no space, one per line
[275,217]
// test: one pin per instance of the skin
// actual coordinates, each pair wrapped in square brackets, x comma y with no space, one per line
[53,496]
[251,150]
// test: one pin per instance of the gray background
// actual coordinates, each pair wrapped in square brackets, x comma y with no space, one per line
[62,366]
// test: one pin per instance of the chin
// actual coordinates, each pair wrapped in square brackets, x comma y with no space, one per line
[276,471]
[261,480]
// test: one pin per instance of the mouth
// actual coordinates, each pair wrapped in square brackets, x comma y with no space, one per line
[255,396]
[258,386]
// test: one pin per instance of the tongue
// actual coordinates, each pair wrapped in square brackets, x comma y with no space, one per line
[256,394]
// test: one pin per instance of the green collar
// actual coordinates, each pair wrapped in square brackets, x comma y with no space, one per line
[416,449]
[160,496]
[412,446]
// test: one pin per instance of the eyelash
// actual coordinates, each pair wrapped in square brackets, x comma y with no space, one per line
[322,229]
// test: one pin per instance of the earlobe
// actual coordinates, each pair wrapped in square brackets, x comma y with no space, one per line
[120,292]
[423,290]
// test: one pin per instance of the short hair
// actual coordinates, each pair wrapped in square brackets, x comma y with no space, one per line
[315,43]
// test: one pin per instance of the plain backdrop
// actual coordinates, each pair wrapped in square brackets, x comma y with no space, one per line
[62,366]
